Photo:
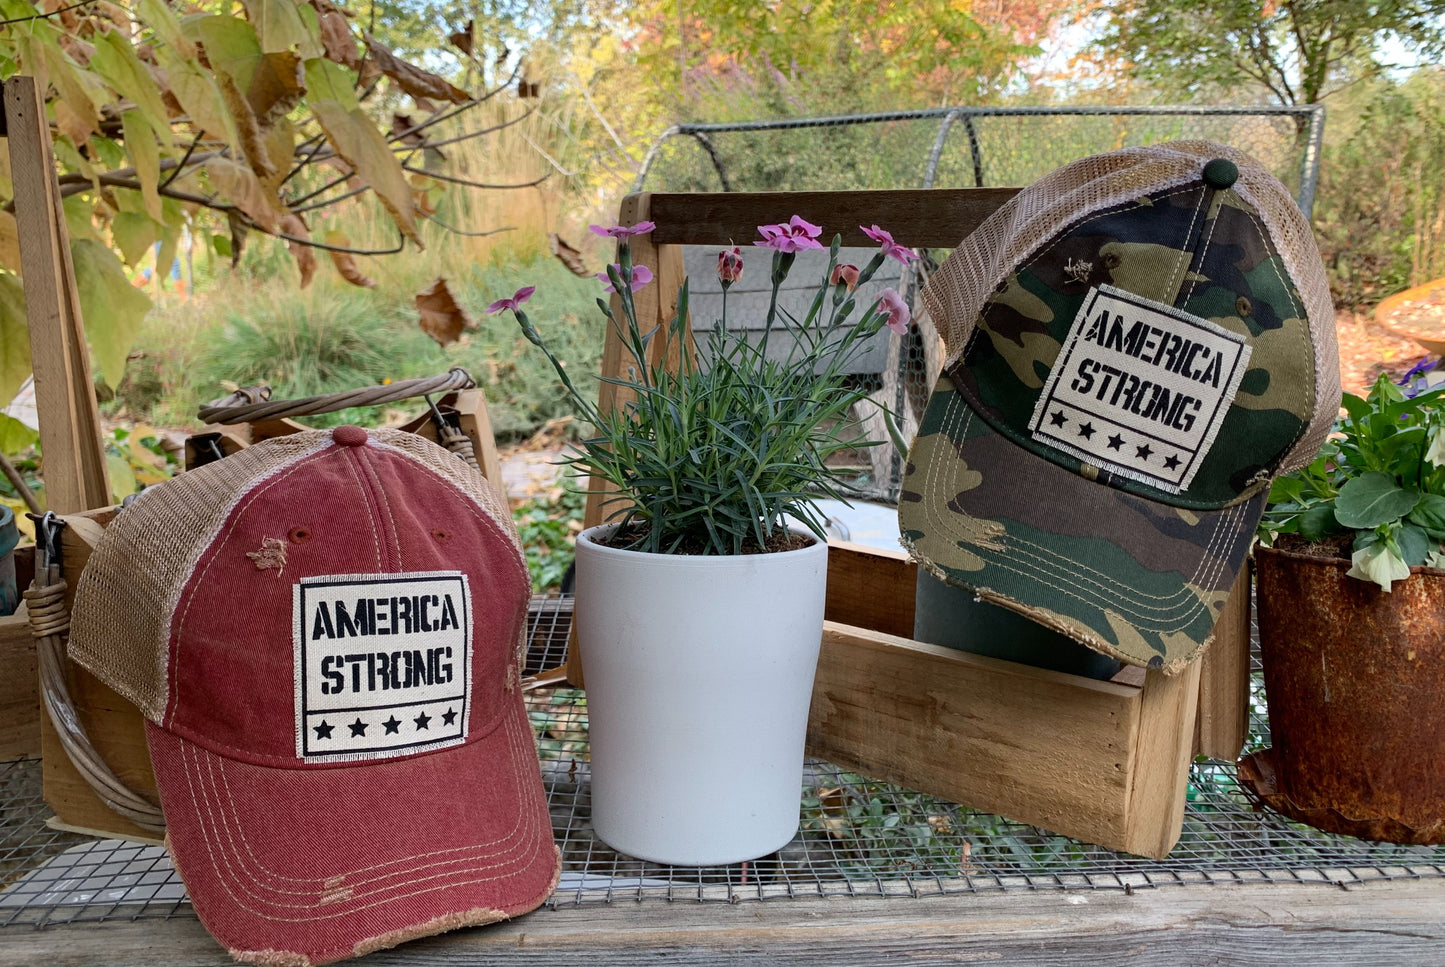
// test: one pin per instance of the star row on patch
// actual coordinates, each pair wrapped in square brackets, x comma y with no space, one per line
[392,726]
[1116,441]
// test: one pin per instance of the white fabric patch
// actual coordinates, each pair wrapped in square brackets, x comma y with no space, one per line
[383,663]
[1140,388]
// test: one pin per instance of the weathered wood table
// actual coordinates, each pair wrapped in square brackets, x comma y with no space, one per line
[1396,923]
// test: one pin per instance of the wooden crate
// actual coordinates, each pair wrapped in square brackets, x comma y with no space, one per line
[1106,762]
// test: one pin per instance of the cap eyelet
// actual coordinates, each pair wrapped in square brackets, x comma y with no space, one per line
[1111,260]
[1243,307]
[441,535]
[299,535]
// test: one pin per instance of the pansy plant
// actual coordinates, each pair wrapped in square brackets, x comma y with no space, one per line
[1380,477]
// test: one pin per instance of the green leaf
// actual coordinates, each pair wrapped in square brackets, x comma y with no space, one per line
[231,46]
[355,137]
[145,156]
[122,477]
[78,215]
[221,245]
[115,60]
[14,435]
[196,91]
[1413,544]
[279,27]
[1429,514]
[1378,563]
[158,15]
[1372,499]
[111,307]
[134,233]
[14,338]
[1319,521]
[1354,406]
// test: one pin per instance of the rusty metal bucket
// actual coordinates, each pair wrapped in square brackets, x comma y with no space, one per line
[1355,681]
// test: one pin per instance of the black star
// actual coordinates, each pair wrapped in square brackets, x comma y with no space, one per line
[392,724]
[323,731]
[1171,461]
[422,721]
[1058,418]
[448,717]
[1115,442]
[358,727]
[1086,431]
[1144,452]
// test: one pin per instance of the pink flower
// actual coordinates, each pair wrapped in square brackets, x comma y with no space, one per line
[794,235]
[845,275]
[518,297]
[729,266]
[890,247]
[641,275]
[892,303]
[623,231]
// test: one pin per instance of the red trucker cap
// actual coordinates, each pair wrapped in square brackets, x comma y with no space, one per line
[323,632]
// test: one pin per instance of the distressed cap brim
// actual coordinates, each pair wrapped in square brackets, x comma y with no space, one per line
[303,867]
[1133,578]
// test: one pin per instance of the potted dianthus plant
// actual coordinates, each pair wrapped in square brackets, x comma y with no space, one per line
[1351,592]
[699,604]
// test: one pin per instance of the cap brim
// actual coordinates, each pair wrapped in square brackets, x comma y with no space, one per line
[1137,579]
[309,866]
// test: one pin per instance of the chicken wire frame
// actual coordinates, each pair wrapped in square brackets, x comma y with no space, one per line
[912,367]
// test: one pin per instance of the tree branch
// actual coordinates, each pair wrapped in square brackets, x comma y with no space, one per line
[453,179]
[458,231]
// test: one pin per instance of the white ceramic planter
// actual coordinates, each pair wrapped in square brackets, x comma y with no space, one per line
[699,673]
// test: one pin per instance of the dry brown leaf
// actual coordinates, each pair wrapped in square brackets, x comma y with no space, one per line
[441,317]
[368,75]
[413,80]
[526,88]
[253,138]
[239,185]
[305,255]
[424,106]
[79,51]
[462,39]
[337,39]
[422,190]
[345,262]
[401,129]
[276,87]
[326,6]
[568,255]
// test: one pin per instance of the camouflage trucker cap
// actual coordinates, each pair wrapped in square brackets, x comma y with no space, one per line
[1137,344]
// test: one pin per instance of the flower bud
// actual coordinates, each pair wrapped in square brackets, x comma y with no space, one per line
[729,266]
[845,275]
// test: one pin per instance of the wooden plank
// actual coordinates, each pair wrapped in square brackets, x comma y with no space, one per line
[871,588]
[1222,726]
[928,218]
[1159,766]
[75,474]
[1382,923]
[1034,745]
[19,689]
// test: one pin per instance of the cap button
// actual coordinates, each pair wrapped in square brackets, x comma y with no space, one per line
[349,436]
[1220,173]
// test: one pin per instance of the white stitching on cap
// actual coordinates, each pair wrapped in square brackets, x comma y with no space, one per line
[205,812]
[1128,605]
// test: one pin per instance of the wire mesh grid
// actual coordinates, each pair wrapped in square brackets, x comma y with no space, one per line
[859,837]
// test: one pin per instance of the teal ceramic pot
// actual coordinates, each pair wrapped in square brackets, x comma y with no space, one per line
[956,618]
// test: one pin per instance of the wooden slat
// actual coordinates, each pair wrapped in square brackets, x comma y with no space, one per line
[1222,726]
[871,588]
[476,423]
[75,475]
[19,690]
[1034,745]
[1397,923]
[1159,770]
[932,218]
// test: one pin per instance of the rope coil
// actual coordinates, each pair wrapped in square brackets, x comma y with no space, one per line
[49,624]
